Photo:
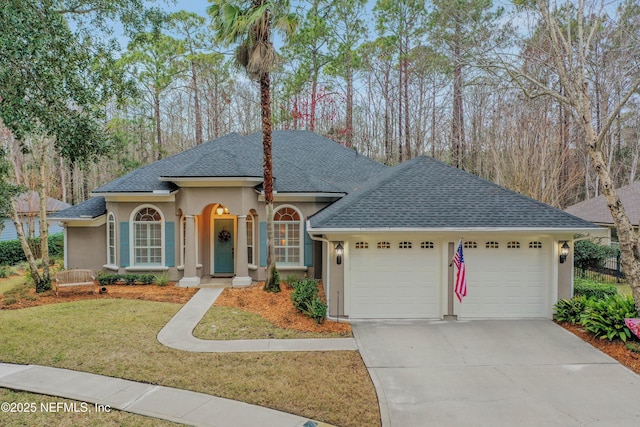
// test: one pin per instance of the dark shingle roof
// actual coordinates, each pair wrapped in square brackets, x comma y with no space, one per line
[426,193]
[302,161]
[91,208]
[596,209]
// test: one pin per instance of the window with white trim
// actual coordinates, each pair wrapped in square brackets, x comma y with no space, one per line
[111,239]
[250,239]
[362,245]
[426,245]
[147,237]
[288,236]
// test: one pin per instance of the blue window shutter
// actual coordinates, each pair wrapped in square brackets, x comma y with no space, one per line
[263,244]
[124,244]
[308,248]
[170,244]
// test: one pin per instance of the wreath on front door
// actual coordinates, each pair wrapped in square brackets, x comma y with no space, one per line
[224,236]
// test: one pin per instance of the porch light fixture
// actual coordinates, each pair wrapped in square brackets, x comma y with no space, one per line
[564,251]
[221,210]
[339,252]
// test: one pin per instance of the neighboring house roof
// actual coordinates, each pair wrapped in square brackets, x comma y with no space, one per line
[29,202]
[302,162]
[89,209]
[596,209]
[427,194]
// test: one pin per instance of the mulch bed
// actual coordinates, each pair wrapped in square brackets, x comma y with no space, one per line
[169,293]
[277,308]
[615,349]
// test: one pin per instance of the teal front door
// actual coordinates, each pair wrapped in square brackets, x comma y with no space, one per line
[224,239]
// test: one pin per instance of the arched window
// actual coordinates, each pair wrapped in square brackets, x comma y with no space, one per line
[383,245]
[362,245]
[250,239]
[513,245]
[405,245]
[147,237]
[288,236]
[470,245]
[492,245]
[535,245]
[111,239]
[426,245]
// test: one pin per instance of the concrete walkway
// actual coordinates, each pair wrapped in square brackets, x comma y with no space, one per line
[181,406]
[178,333]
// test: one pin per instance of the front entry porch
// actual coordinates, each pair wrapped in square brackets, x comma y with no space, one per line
[218,237]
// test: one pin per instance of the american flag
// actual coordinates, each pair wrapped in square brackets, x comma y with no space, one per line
[461,279]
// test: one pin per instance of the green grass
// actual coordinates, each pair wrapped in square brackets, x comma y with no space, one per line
[118,338]
[623,289]
[230,323]
[80,417]
[11,282]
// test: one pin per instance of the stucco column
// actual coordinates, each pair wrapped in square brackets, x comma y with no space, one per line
[190,277]
[242,261]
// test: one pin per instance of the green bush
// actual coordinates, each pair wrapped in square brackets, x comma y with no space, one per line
[592,289]
[605,317]
[570,310]
[128,279]
[318,310]
[589,255]
[11,252]
[4,272]
[304,292]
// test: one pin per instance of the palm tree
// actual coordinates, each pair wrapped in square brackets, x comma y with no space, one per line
[249,23]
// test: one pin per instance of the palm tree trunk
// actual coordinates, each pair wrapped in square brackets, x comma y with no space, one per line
[272,283]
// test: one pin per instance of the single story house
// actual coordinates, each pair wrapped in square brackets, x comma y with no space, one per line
[595,210]
[380,238]
[28,209]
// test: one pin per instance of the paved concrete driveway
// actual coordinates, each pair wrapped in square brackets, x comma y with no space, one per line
[494,373]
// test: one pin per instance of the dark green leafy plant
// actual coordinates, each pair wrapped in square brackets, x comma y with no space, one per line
[318,310]
[304,292]
[590,255]
[595,290]
[570,310]
[605,317]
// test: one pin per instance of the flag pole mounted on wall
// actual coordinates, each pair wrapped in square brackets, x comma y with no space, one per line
[460,287]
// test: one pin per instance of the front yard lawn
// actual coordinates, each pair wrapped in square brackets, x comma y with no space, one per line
[117,337]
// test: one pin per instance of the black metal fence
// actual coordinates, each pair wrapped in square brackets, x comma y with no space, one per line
[609,271]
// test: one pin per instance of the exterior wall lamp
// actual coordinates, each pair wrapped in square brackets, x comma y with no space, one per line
[221,210]
[564,251]
[339,253]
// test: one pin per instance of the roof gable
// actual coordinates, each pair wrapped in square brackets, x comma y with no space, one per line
[596,209]
[302,161]
[426,193]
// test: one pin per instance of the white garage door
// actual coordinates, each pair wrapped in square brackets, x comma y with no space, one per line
[506,279]
[394,279]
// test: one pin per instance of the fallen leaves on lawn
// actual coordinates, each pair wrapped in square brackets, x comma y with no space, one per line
[277,308]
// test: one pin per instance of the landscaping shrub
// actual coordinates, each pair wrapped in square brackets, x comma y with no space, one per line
[306,300]
[4,272]
[605,317]
[591,256]
[592,289]
[290,280]
[304,292]
[318,310]
[570,310]
[128,279]
[11,252]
